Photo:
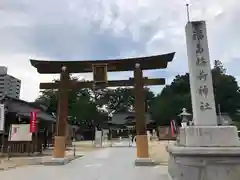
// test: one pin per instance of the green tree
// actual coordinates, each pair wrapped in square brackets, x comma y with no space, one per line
[165,109]
[82,107]
[225,89]
[48,98]
[169,103]
[122,99]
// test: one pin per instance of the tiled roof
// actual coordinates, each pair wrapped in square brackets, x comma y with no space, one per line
[23,108]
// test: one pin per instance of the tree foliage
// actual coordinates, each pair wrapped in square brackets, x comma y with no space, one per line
[122,99]
[225,89]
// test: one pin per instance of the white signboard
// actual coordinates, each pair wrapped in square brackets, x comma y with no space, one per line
[98,138]
[204,111]
[20,132]
[2,117]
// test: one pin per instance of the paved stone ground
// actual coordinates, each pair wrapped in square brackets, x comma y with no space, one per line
[105,164]
[82,148]
[13,162]
[157,151]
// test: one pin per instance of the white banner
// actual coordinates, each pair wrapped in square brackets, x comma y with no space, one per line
[20,132]
[2,117]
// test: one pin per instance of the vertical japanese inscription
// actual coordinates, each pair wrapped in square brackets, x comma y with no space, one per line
[201,62]
[203,91]
[198,34]
[202,75]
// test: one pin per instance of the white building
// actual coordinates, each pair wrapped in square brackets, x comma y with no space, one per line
[9,85]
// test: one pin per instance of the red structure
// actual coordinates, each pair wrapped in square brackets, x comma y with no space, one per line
[33,121]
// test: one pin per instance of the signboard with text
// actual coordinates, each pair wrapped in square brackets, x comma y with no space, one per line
[20,132]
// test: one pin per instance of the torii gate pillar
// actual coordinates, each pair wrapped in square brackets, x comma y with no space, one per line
[62,113]
[141,136]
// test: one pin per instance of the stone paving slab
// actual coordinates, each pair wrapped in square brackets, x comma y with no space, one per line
[48,160]
[158,153]
[59,162]
[105,164]
[6,166]
[45,159]
[145,162]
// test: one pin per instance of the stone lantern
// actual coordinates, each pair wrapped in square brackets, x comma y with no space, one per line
[185,117]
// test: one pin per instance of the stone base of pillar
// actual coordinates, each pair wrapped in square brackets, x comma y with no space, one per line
[57,162]
[142,146]
[59,147]
[144,162]
[143,158]
[209,153]
[209,136]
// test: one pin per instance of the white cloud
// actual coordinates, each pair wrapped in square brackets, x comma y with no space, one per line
[100,29]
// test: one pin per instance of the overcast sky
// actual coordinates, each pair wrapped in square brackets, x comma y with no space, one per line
[103,29]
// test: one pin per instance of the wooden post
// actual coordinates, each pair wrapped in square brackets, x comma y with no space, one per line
[36,137]
[3,142]
[60,137]
[141,133]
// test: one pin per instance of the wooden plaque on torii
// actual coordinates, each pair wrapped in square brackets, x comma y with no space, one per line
[100,75]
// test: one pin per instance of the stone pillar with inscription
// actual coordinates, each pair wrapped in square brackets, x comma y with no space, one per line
[204,151]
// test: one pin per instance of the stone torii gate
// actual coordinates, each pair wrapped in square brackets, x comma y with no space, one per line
[100,69]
